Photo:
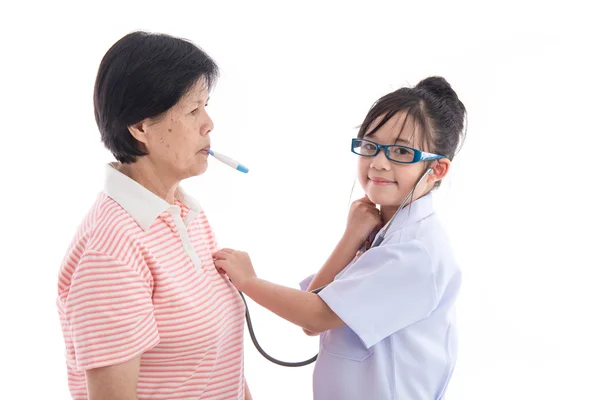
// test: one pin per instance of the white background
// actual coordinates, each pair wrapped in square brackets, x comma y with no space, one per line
[521,202]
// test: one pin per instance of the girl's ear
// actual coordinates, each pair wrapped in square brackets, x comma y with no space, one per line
[440,170]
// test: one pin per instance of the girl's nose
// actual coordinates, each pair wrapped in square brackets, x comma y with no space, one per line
[380,162]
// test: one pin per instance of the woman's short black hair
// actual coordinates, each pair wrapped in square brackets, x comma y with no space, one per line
[142,76]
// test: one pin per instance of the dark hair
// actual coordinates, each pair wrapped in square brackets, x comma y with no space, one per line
[142,76]
[434,108]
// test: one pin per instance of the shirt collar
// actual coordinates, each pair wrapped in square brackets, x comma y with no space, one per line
[140,203]
[413,212]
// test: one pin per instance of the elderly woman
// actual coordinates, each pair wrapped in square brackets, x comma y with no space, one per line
[144,313]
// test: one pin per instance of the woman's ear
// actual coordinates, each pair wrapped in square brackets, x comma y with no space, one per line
[140,132]
[439,170]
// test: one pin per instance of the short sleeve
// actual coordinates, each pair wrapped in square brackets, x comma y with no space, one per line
[388,288]
[305,283]
[109,312]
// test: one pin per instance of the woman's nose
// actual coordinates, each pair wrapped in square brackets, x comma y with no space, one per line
[207,126]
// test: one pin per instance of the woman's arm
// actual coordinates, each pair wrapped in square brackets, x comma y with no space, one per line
[102,290]
[114,382]
[247,395]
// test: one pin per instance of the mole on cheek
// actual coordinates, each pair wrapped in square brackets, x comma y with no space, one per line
[170,130]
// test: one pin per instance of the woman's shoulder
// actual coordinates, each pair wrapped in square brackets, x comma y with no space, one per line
[105,223]
[97,235]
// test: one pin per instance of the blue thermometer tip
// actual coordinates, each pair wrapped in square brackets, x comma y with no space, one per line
[229,161]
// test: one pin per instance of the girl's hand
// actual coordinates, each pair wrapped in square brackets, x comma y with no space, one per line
[363,219]
[237,265]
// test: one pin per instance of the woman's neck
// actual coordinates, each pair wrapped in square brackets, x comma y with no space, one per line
[147,175]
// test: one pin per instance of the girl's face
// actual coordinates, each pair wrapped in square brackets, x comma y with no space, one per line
[387,183]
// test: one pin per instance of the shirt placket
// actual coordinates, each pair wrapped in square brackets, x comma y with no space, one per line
[181,229]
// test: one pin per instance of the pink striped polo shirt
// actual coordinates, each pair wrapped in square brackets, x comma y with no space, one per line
[139,278]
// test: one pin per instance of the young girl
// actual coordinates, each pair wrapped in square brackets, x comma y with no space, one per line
[386,312]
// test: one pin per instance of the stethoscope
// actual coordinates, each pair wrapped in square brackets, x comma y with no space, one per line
[379,237]
[376,242]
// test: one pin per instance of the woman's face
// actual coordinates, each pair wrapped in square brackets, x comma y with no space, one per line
[177,142]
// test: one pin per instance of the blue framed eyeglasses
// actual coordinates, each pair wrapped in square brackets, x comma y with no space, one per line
[393,152]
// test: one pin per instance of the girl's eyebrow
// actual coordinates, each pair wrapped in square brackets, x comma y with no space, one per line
[372,135]
[404,141]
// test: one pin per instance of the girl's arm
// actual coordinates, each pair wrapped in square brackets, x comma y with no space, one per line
[304,309]
[363,219]
[341,256]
